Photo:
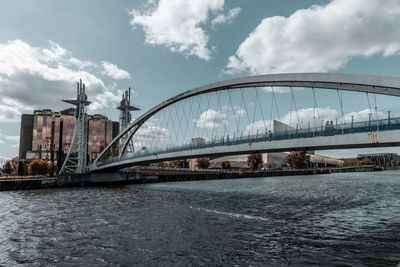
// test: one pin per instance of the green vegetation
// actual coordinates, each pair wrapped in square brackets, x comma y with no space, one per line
[298,159]
[255,161]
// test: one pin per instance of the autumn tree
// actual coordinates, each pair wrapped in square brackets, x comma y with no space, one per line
[366,161]
[351,162]
[52,168]
[298,159]
[10,166]
[225,164]
[178,163]
[202,163]
[38,166]
[14,165]
[7,167]
[255,161]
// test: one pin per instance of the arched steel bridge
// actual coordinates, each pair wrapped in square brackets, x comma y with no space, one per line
[372,133]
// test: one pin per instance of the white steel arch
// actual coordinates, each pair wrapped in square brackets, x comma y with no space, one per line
[385,85]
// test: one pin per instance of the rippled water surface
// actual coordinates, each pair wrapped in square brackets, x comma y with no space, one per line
[337,219]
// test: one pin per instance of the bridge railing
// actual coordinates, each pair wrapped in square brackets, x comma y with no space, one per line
[323,130]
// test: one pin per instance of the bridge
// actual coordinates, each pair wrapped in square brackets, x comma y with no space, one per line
[243,115]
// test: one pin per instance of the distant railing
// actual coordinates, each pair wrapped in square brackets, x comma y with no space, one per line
[328,130]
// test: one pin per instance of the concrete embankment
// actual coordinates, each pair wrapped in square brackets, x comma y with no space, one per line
[369,168]
[157,176]
[26,182]
[148,175]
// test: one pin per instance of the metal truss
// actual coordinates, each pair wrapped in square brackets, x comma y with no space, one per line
[76,159]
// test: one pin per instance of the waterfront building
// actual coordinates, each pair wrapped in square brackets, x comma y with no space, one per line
[275,160]
[381,159]
[101,131]
[44,136]
[47,135]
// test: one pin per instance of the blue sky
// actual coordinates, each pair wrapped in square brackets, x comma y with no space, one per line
[163,47]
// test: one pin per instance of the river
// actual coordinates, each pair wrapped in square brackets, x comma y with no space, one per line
[335,219]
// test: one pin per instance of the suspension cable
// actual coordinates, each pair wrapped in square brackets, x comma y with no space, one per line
[262,115]
[276,103]
[272,109]
[376,110]
[245,106]
[316,104]
[314,108]
[295,106]
[291,110]
[369,104]
[341,105]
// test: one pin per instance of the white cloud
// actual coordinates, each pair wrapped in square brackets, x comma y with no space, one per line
[114,72]
[149,136]
[11,140]
[227,18]
[179,24]
[320,38]
[301,118]
[151,132]
[81,64]
[34,77]
[9,114]
[241,112]
[55,53]
[258,127]
[363,115]
[211,119]
[305,115]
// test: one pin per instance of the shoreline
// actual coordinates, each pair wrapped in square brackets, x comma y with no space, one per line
[140,176]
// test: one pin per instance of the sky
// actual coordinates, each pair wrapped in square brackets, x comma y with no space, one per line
[164,47]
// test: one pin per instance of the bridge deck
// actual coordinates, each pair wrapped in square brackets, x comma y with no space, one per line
[362,134]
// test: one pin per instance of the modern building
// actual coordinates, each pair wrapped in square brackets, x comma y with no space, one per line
[381,159]
[101,131]
[47,135]
[275,160]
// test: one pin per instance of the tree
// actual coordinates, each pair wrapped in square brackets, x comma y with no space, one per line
[38,166]
[178,163]
[52,168]
[255,161]
[225,164]
[26,168]
[7,167]
[14,165]
[298,159]
[202,163]
[10,166]
[351,162]
[366,161]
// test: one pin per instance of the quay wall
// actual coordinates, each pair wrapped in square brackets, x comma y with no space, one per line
[156,176]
